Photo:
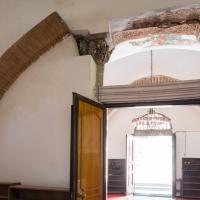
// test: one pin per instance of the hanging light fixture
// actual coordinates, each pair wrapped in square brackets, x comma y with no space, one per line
[152,121]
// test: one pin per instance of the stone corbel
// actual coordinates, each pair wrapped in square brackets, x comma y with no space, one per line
[94,45]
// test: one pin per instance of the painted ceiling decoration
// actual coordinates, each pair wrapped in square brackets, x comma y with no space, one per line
[182,21]
[160,36]
[29,48]
[165,40]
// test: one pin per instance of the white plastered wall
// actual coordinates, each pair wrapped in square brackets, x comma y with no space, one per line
[35,117]
[125,70]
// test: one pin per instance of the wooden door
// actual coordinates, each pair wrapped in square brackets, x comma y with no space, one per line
[87,153]
[130,164]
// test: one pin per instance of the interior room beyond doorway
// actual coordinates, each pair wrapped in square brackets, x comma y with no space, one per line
[170,143]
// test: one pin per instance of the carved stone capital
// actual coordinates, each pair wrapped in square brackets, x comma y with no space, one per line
[94,45]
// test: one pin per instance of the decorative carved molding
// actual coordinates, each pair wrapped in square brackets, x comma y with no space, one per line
[29,48]
[94,45]
[179,91]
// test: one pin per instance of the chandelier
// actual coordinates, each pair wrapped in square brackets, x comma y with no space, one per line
[152,121]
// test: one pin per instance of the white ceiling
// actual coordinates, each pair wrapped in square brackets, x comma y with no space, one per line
[176,62]
[19,16]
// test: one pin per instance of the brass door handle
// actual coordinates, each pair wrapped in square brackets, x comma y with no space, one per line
[81,195]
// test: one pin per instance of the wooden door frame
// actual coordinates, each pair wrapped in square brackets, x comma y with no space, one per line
[74,144]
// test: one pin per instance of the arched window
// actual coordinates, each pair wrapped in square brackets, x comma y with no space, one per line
[152,123]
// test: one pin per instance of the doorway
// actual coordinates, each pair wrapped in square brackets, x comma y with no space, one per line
[153,158]
[141,151]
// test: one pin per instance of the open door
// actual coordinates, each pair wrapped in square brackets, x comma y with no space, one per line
[87,149]
[130,164]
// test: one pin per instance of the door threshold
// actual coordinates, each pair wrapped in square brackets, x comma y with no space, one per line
[152,195]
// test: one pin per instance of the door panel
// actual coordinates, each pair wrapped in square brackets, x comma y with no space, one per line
[130,164]
[89,129]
